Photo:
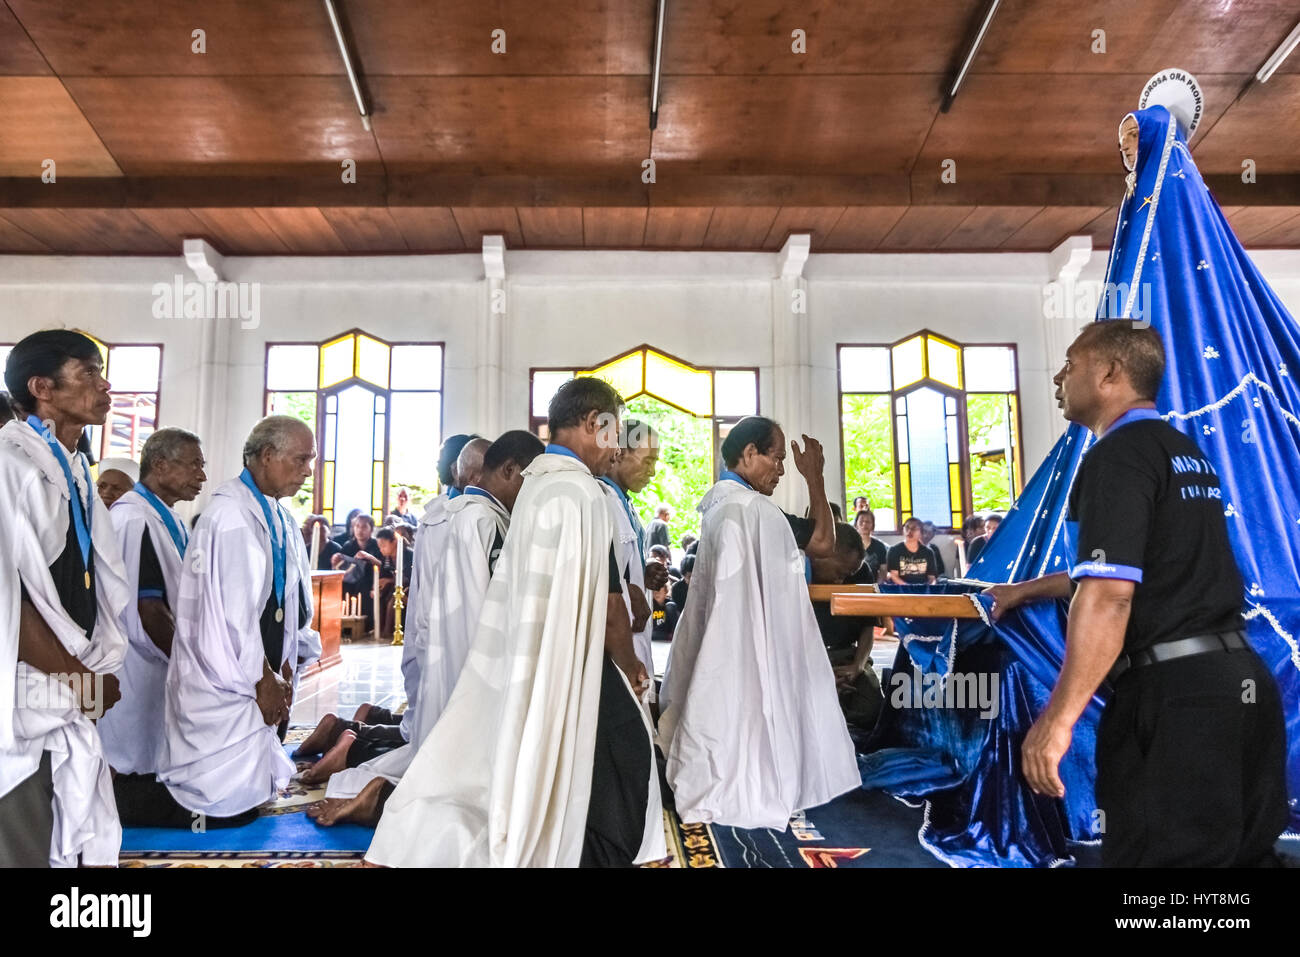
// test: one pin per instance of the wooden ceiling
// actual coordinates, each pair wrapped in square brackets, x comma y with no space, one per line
[242,145]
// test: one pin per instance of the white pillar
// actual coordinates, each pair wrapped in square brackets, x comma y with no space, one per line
[1064,264]
[491,341]
[212,418]
[791,361]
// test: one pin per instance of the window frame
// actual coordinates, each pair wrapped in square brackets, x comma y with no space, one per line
[962,395]
[335,388]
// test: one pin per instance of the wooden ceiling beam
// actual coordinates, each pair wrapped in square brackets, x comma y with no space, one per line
[671,191]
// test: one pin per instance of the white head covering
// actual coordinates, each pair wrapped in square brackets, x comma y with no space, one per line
[125,466]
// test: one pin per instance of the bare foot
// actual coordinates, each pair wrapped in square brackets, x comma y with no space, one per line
[362,809]
[363,712]
[323,738]
[335,759]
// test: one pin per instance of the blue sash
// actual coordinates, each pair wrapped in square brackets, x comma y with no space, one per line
[180,538]
[82,511]
[279,539]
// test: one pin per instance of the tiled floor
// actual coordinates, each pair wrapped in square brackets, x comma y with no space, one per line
[369,672]
[372,673]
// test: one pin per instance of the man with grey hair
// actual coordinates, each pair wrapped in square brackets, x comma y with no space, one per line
[153,540]
[243,631]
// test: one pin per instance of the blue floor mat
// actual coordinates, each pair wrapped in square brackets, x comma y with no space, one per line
[287,829]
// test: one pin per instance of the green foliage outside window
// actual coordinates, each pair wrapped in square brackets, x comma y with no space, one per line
[685,470]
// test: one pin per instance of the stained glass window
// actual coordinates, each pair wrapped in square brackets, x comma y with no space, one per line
[686,401]
[930,428]
[376,409]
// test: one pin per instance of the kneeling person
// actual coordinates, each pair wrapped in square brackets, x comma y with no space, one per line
[242,633]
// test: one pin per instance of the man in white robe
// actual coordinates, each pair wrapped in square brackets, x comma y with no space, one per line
[64,590]
[750,719]
[543,757]
[153,539]
[243,632]
[476,526]
[632,469]
[373,731]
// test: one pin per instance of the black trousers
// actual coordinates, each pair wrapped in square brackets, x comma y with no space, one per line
[620,778]
[372,740]
[1191,764]
[144,801]
[27,820]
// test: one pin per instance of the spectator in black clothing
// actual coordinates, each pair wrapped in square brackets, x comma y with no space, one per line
[664,612]
[860,504]
[971,529]
[911,562]
[679,589]
[848,639]
[978,544]
[343,536]
[361,556]
[873,565]
[386,538]
[927,539]
[319,526]
[659,527]
[688,540]
[661,554]
[6,408]
[692,547]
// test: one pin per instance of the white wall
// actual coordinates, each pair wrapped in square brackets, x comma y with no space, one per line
[568,308]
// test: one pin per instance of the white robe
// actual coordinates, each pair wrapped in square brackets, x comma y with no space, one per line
[504,779]
[132,731]
[415,617]
[37,713]
[631,561]
[218,756]
[452,590]
[750,720]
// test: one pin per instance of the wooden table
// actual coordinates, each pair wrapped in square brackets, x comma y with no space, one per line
[327,601]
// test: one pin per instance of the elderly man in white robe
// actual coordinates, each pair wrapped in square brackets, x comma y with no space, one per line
[543,757]
[630,472]
[476,526]
[750,718]
[243,632]
[153,538]
[63,591]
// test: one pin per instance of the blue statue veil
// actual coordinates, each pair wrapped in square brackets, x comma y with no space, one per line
[1232,352]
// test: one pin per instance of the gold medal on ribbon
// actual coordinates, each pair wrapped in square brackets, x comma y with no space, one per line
[87,581]
[279,614]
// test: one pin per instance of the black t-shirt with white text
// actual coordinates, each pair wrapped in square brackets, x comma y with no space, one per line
[1147,507]
[916,567]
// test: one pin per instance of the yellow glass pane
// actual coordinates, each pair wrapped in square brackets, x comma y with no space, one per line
[944,361]
[336,361]
[327,489]
[678,383]
[909,361]
[624,374]
[372,361]
[1013,423]
[377,487]
[954,484]
[905,487]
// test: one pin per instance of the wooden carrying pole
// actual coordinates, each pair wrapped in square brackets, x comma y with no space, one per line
[903,606]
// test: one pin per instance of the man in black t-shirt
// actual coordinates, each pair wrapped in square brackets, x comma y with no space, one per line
[1191,745]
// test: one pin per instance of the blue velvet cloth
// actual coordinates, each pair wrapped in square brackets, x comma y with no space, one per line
[964,762]
[1232,353]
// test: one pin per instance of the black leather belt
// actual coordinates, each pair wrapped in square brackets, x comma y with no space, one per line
[1179,648]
